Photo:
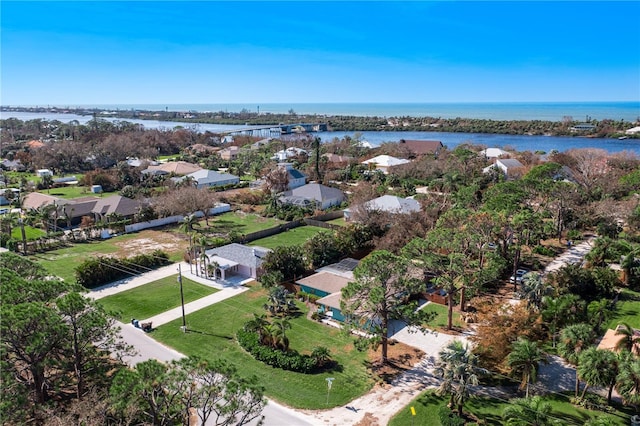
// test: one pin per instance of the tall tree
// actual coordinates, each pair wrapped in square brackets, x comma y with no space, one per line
[379,294]
[628,380]
[573,340]
[524,359]
[630,337]
[598,367]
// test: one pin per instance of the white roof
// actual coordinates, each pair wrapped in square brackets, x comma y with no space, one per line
[493,152]
[386,161]
[393,204]
[633,130]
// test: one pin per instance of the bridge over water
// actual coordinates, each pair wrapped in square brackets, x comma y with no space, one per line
[278,129]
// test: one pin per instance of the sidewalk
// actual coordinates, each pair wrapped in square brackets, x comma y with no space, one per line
[574,255]
[196,305]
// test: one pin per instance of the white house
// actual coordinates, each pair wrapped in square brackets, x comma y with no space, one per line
[384,162]
[285,154]
[388,204]
[508,166]
[44,172]
[493,153]
[209,178]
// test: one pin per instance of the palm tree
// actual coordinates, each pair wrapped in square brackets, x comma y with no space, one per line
[598,367]
[629,337]
[630,265]
[458,368]
[628,380]
[186,226]
[259,324]
[280,339]
[598,311]
[528,412]
[573,340]
[280,301]
[321,355]
[524,359]
[533,289]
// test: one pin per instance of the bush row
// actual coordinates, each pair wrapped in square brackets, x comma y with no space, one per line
[290,360]
[97,271]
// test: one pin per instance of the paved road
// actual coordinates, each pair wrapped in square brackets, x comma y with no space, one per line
[147,348]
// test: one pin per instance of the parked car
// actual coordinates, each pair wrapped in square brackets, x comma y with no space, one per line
[517,278]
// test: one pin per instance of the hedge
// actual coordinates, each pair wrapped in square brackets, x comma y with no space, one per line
[98,271]
[290,360]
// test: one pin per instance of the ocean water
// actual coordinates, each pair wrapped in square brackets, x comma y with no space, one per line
[549,111]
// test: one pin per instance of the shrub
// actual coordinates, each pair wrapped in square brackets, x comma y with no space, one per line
[544,251]
[97,271]
[290,360]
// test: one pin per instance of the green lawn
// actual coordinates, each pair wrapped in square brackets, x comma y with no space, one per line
[339,221]
[29,232]
[212,335]
[62,262]
[75,191]
[442,316]
[627,310]
[490,411]
[292,237]
[242,223]
[154,298]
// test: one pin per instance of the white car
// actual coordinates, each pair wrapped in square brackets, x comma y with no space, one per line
[517,278]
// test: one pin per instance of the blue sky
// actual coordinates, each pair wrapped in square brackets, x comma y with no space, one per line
[117,52]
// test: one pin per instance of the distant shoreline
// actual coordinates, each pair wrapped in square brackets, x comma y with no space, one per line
[569,126]
[502,111]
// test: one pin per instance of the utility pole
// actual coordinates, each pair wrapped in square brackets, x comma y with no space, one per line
[184,321]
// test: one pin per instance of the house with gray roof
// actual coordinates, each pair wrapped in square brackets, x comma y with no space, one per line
[237,259]
[210,178]
[115,205]
[386,203]
[296,177]
[313,195]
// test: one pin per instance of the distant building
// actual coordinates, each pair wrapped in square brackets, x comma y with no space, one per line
[44,172]
[508,166]
[313,195]
[178,168]
[384,163]
[229,153]
[296,177]
[418,148]
[493,153]
[388,204]
[210,178]
[583,127]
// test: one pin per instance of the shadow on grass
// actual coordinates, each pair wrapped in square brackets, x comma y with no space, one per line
[189,330]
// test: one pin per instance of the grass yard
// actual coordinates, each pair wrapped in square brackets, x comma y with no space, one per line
[30,232]
[212,335]
[75,191]
[339,221]
[154,298]
[627,310]
[62,262]
[242,223]
[442,317]
[292,237]
[490,411]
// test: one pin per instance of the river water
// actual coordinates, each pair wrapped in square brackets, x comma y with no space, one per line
[451,140]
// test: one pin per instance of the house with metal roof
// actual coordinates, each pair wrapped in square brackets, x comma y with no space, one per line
[237,259]
[507,166]
[209,178]
[386,203]
[384,163]
[313,195]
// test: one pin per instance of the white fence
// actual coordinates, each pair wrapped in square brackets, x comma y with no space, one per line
[219,208]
